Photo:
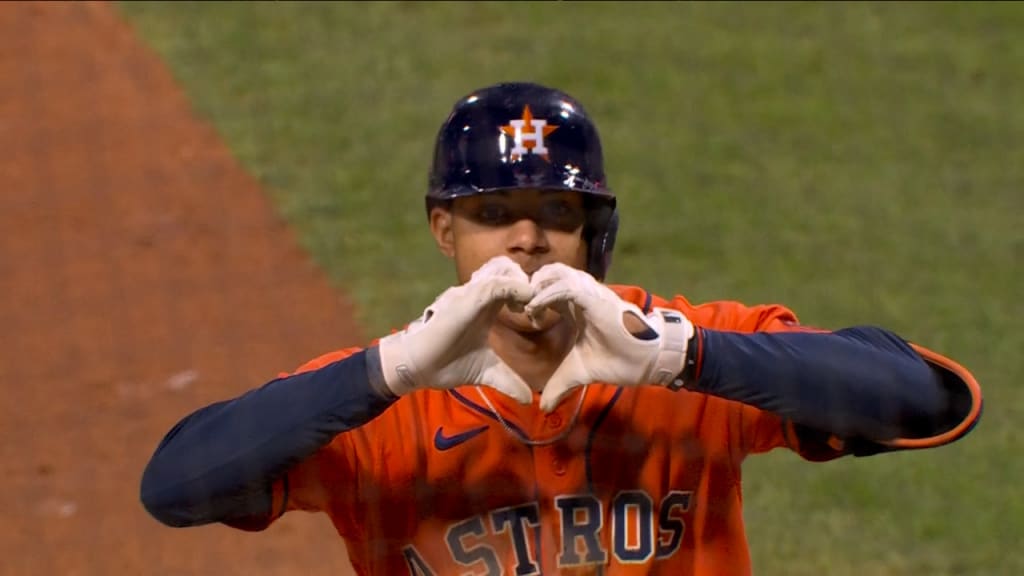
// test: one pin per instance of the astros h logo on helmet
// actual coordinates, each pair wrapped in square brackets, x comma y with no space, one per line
[527,142]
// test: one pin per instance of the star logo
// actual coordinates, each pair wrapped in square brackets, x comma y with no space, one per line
[527,135]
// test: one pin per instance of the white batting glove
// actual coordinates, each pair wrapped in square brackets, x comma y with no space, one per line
[605,351]
[447,346]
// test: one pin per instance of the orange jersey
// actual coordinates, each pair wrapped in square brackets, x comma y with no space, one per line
[617,481]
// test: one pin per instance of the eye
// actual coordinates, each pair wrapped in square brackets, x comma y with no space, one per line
[492,213]
[557,209]
[562,215]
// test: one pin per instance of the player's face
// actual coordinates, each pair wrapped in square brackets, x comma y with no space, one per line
[531,227]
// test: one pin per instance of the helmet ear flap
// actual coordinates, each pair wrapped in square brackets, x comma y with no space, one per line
[600,231]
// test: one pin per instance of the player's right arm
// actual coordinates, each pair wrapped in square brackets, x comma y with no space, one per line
[219,463]
[223,462]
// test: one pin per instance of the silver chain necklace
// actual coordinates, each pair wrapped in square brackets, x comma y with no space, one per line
[522,437]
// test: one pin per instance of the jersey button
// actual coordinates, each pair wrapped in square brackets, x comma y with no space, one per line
[554,420]
[558,466]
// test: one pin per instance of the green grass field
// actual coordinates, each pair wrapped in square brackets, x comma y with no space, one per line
[861,163]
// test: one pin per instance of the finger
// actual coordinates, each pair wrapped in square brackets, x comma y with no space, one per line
[555,391]
[468,305]
[558,292]
[569,375]
[550,273]
[499,266]
[499,376]
[557,286]
[509,289]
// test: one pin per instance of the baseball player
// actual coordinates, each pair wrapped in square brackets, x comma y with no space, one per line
[535,420]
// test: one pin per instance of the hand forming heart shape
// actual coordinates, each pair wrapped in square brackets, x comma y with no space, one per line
[448,345]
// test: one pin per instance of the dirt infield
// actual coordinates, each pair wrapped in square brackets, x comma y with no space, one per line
[142,274]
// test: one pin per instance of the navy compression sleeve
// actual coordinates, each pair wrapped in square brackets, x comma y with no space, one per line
[219,463]
[858,382]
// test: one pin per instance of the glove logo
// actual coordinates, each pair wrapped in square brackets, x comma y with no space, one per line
[442,442]
[531,142]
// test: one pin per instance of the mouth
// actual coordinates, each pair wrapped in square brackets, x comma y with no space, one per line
[516,307]
[531,267]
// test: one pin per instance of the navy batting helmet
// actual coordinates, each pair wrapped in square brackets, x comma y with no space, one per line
[525,136]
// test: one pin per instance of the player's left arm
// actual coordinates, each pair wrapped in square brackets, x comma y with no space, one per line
[859,390]
[857,384]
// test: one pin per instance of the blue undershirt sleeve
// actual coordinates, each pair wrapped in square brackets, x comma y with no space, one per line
[219,463]
[860,382]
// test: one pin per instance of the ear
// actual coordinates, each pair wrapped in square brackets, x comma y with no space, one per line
[441,228]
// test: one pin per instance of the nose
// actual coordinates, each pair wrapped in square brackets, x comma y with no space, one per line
[525,235]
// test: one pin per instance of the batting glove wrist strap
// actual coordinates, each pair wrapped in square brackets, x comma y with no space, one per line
[675,331]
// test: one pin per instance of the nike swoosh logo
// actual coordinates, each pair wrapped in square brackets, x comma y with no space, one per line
[442,442]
